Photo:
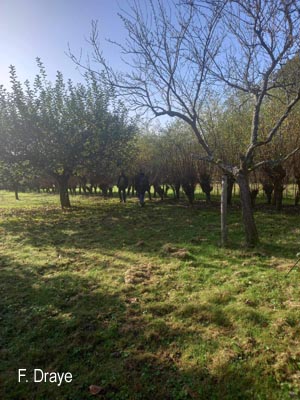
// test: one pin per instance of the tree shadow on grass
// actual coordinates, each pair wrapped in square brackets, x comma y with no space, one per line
[112,228]
[94,227]
[67,322]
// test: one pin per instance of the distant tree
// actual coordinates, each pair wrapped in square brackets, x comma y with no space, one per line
[112,149]
[14,175]
[181,168]
[14,168]
[205,174]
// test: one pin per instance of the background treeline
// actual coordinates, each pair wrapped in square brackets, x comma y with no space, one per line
[174,158]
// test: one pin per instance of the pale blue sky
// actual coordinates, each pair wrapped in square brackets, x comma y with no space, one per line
[43,28]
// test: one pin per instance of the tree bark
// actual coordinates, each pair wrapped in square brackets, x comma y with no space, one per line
[224,211]
[247,210]
[63,191]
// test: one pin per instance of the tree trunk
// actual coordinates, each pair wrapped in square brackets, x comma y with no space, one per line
[230,183]
[253,195]
[63,191]
[276,174]
[247,210]
[189,190]
[297,192]
[177,190]
[224,211]
[16,193]
[268,189]
[205,183]
[278,195]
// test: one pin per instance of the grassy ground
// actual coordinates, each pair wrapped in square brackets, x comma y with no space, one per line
[143,302]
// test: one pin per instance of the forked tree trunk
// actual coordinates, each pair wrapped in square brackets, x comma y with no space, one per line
[63,191]
[247,210]
[276,175]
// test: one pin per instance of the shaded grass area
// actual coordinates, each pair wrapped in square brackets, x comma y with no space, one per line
[144,303]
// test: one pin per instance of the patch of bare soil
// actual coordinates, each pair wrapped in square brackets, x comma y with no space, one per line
[138,274]
[182,253]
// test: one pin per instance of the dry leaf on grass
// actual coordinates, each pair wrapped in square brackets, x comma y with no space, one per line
[132,300]
[94,389]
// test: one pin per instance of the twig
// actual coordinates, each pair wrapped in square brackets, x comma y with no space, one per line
[294,265]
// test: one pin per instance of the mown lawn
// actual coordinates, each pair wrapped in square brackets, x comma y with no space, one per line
[143,302]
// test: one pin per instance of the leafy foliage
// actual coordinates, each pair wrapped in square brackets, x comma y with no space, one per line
[62,128]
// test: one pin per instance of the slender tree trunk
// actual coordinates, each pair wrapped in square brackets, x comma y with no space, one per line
[63,191]
[177,190]
[247,210]
[224,211]
[297,192]
[208,199]
[230,183]
[16,192]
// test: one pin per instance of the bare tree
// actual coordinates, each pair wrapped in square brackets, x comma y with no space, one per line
[178,52]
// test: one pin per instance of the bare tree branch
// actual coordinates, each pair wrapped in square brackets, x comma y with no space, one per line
[277,161]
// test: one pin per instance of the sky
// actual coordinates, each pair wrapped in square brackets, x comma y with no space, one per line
[44,28]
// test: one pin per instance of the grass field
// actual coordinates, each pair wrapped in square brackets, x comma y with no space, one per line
[143,302]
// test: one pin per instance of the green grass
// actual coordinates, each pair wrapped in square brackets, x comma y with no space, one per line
[144,303]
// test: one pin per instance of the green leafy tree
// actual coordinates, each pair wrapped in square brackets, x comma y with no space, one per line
[14,168]
[62,128]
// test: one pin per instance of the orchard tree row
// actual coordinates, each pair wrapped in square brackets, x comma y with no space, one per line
[169,156]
